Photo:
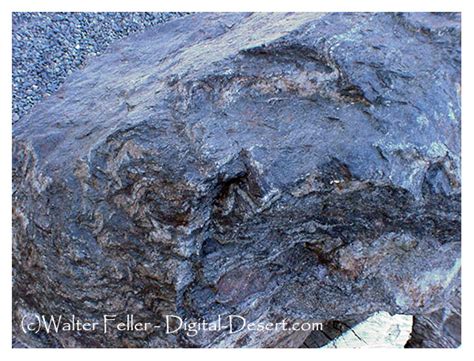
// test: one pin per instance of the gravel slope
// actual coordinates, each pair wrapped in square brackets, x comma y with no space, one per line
[47,47]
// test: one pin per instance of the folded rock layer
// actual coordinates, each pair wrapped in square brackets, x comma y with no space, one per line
[274,166]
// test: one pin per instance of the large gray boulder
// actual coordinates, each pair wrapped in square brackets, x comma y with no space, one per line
[297,166]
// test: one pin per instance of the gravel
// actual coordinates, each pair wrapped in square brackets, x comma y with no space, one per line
[47,47]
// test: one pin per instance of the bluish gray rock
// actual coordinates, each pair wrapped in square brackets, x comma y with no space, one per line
[299,166]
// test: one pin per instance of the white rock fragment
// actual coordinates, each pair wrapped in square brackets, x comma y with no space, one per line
[380,330]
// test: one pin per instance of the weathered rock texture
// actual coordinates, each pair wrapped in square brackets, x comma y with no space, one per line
[439,329]
[298,166]
[381,330]
[331,330]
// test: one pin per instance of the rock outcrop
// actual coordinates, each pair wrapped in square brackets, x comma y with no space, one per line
[274,166]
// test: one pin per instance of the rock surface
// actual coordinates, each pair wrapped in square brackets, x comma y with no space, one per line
[381,330]
[330,331]
[439,329]
[275,166]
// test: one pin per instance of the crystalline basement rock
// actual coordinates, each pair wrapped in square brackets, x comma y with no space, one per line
[298,166]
